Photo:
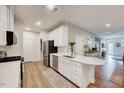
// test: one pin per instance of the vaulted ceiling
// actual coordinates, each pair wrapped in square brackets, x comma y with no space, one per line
[90,17]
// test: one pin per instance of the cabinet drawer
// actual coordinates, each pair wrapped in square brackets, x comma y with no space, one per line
[77,71]
[67,61]
[60,60]
[77,64]
[67,74]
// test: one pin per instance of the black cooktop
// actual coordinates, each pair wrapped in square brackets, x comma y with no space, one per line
[12,58]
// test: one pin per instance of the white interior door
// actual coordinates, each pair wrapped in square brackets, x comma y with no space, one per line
[27,49]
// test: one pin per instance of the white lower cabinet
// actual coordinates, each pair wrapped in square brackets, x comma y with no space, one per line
[60,65]
[63,67]
[71,70]
[77,73]
[76,79]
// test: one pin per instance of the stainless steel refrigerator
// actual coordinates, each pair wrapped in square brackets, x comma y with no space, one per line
[48,47]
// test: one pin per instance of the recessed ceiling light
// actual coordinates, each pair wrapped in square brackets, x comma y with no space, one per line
[108,25]
[51,7]
[27,28]
[38,23]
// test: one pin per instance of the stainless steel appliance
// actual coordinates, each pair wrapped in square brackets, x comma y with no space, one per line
[9,38]
[55,63]
[48,47]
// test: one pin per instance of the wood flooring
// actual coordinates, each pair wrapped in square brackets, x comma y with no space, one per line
[36,75]
[110,75]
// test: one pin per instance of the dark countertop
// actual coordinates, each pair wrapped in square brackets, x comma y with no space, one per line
[12,58]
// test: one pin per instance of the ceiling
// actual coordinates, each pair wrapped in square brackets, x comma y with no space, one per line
[92,18]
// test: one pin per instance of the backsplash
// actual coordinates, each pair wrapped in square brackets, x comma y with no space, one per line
[63,50]
[5,48]
[2,54]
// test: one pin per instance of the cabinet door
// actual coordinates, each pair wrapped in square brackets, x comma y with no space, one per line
[49,36]
[2,38]
[65,67]
[77,73]
[59,35]
[68,68]
[11,19]
[60,65]
[55,34]
[3,14]
[52,35]
[62,36]
[76,80]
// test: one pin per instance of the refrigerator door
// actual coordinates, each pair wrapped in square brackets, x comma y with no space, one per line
[48,47]
[45,53]
[45,61]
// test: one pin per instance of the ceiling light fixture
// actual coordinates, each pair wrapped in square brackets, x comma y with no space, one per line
[38,23]
[108,25]
[52,7]
[27,28]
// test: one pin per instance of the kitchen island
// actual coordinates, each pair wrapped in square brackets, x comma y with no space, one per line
[80,70]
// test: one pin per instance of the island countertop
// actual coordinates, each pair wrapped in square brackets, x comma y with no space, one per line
[83,59]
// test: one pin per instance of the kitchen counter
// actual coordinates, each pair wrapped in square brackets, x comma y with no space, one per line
[11,58]
[83,59]
[10,74]
[80,70]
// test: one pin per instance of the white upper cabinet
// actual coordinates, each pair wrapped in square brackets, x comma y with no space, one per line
[6,22]
[62,36]
[4,15]
[59,36]
[50,36]
[7,17]
[2,35]
[11,20]
[55,38]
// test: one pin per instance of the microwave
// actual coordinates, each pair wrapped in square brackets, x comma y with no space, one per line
[9,38]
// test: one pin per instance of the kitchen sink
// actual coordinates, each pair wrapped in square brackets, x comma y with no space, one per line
[68,56]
